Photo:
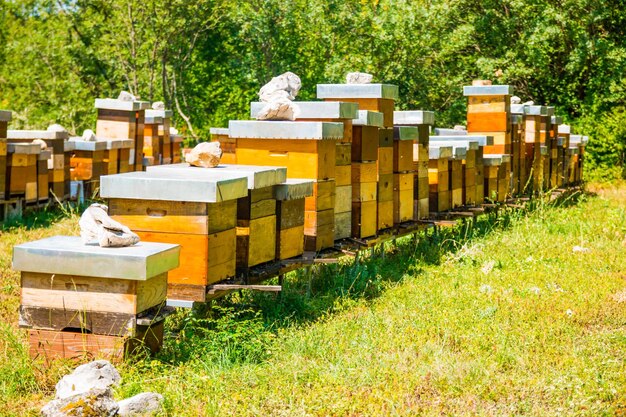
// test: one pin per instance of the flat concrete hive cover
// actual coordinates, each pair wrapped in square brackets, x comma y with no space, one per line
[469,144]
[37,134]
[413,117]
[258,176]
[388,91]
[556,120]
[83,145]
[481,139]
[293,189]
[174,186]
[260,129]
[438,152]
[316,110]
[518,108]
[536,110]
[405,133]
[487,90]
[69,256]
[159,113]
[221,131]
[449,132]
[115,104]
[24,148]
[369,118]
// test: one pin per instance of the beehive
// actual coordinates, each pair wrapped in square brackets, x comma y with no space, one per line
[555,157]
[533,116]
[198,213]
[404,138]
[55,164]
[374,97]
[22,170]
[160,121]
[372,193]
[308,150]
[256,212]
[290,197]
[87,164]
[338,112]
[422,120]
[439,177]
[227,144]
[5,118]
[488,113]
[465,150]
[152,143]
[176,146]
[118,119]
[517,121]
[83,300]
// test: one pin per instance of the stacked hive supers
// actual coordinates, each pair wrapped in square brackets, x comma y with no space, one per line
[118,119]
[439,177]
[22,171]
[338,112]
[422,120]
[404,137]
[88,164]
[372,194]
[198,213]
[308,151]
[290,200]
[56,182]
[488,113]
[227,144]
[157,140]
[554,153]
[79,300]
[256,212]
[533,116]
[5,118]
[375,98]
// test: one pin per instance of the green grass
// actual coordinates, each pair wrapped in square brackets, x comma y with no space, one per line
[502,318]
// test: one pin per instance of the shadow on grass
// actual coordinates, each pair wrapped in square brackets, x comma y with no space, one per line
[239,327]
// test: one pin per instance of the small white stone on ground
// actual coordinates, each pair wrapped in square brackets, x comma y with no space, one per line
[95,402]
[97,374]
[143,404]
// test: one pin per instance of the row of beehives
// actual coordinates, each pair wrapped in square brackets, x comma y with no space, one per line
[39,165]
[350,167]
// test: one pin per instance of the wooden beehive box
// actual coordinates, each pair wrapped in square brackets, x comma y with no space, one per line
[337,112]
[227,144]
[118,119]
[564,134]
[308,150]
[5,118]
[516,131]
[488,113]
[372,193]
[290,197]
[386,182]
[374,97]
[55,164]
[83,300]
[256,212]
[162,133]
[42,175]
[422,120]
[177,148]
[439,177]
[87,163]
[534,137]
[404,138]
[152,142]
[492,165]
[22,170]
[554,150]
[199,214]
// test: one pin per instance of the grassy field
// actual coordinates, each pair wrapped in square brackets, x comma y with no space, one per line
[503,318]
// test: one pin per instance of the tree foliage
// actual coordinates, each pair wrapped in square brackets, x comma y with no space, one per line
[207,58]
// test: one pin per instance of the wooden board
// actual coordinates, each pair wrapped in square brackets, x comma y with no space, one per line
[364,172]
[343,199]
[290,242]
[402,155]
[319,230]
[364,219]
[402,197]
[385,214]
[256,241]
[343,224]
[343,175]
[365,141]
[52,345]
[174,216]
[488,122]
[343,154]
[258,204]
[385,160]
[204,259]
[91,294]
[289,214]
[323,196]
[385,187]
[311,159]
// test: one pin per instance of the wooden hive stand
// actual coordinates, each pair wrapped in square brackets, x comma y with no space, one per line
[423,121]
[308,150]
[198,213]
[118,119]
[82,300]
[337,112]
[256,212]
